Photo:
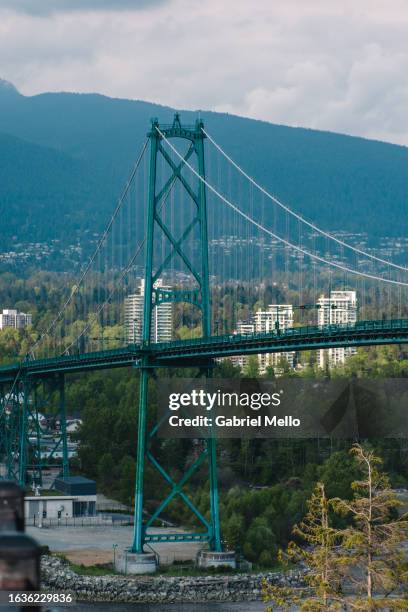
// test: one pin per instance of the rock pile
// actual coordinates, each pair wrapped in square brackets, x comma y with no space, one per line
[58,576]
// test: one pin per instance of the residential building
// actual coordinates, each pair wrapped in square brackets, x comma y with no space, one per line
[133,319]
[162,317]
[12,318]
[243,328]
[340,307]
[277,316]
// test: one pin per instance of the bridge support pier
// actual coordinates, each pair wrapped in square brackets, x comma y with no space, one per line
[215,517]
[213,558]
[138,531]
[128,562]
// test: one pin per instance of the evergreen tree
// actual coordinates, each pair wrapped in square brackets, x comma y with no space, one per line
[252,368]
[321,557]
[377,564]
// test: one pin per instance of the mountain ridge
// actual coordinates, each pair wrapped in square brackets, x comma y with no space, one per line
[335,180]
[7,88]
[10,86]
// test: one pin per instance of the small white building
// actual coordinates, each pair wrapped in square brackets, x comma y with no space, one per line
[77,498]
[49,506]
[12,318]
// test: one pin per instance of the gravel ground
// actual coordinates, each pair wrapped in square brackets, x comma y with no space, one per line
[90,545]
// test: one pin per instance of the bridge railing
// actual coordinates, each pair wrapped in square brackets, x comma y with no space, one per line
[74,358]
[130,352]
[308,330]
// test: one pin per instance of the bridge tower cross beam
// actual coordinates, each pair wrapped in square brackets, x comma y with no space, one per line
[199,296]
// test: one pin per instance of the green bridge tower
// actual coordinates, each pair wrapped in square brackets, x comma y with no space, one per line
[195,192]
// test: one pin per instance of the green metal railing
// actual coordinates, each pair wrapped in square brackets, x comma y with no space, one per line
[362,333]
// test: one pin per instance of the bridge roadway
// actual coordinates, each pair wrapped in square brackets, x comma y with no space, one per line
[192,352]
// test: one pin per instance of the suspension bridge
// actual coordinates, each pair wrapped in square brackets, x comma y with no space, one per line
[206,238]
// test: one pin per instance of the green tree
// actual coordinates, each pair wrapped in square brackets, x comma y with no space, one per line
[233,531]
[127,471]
[320,555]
[260,538]
[106,468]
[252,368]
[378,566]
[337,474]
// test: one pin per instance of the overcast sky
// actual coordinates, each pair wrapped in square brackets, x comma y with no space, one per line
[327,64]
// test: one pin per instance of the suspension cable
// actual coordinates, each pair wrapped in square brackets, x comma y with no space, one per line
[108,299]
[272,234]
[97,249]
[126,270]
[295,214]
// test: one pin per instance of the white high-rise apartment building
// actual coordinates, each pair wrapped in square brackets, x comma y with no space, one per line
[340,307]
[162,317]
[243,328]
[265,321]
[13,318]
[134,316]
[277,315]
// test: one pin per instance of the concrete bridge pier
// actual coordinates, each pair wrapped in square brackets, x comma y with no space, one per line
[127,562]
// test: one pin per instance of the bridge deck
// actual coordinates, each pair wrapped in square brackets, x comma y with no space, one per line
[362,333]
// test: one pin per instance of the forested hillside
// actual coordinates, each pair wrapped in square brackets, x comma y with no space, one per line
[65,156]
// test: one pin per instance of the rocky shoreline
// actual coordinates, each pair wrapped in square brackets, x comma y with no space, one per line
[58,576]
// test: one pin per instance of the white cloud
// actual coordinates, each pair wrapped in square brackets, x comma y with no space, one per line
[327,65]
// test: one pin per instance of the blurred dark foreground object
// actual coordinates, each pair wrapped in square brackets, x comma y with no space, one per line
[11,506]
[19,562]
[19,554]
